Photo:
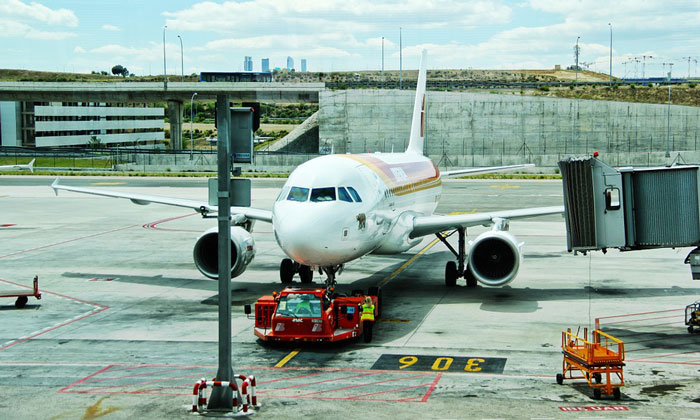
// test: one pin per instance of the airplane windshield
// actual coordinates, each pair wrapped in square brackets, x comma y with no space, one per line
[343,195]
[354,194]
[298,194]
[323,194]
[301,305]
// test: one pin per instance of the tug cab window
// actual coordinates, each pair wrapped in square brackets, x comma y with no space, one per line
[323,194]
[299,305]
[354,195]
[343,195]
[298,194]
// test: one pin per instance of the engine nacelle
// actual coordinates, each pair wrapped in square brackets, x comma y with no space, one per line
[206,252]
[494,258]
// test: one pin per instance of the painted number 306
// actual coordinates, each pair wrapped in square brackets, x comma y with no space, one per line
[443,363]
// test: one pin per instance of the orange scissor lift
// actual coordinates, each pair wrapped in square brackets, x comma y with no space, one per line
[599,361]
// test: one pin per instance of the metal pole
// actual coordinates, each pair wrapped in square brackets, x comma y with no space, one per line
[191,119]
[668,114]
[382,62]
[165,71]
[577,38]
[400,60]
[610,53]
[182,59]
[222,398]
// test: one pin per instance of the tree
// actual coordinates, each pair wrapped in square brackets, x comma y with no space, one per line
[120,70]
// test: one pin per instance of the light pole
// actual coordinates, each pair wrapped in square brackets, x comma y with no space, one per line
[610,25]
[668,115]
[382,62]
[182,59]
[191,119]
[577,51]
[400,60]
[165,71]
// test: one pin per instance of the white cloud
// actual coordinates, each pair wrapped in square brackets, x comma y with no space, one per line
[12,29]
[39,12]
[79,50]
[111,28]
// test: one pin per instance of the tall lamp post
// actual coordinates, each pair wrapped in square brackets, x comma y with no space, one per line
[382,62]
[182,59]
[577,51]
[191,119]
[165,71]
[610,25]
[668,115]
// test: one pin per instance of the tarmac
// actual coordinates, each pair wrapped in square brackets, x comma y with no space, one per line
[126,324]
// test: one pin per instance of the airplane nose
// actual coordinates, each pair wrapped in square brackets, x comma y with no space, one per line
[308,240]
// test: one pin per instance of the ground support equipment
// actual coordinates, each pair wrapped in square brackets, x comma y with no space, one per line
[22,295]
[692,316]
[599,361]
[242,398]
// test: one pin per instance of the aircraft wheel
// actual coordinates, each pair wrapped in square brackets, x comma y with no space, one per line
[469,277]
[560,378]
[21,301]
[451,274]
[616,393]
[286,271]
[306,274]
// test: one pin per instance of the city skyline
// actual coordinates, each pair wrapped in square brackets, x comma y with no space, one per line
[341,36]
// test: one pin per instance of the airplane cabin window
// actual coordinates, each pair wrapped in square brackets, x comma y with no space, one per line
[323,194]
[343,195]
[298,194]
[354,195]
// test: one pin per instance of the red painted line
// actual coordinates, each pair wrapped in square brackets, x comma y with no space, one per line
[641,319]
[625,336]
[64,389]
[663,362]
[686,335]
[359,385]
[154,225]
[66,241]
[640,313]
[7,225]
[432,387]
[100,388]
[665,355]
[318,382]
[94,312]
[359,397]
[296,377]
[176,369]
[670,346]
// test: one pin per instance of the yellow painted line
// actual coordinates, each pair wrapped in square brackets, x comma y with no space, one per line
[409,262]
[505,186]
[108,183]
[287,358]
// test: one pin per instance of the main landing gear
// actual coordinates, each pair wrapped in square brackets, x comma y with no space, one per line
[455,270]
[289,268]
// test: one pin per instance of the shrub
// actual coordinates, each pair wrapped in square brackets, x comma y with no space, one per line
[543,88]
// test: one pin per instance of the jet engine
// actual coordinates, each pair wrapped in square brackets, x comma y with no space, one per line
[494,258]
[206,252]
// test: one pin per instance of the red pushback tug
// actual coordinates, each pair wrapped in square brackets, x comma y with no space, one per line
[312,315]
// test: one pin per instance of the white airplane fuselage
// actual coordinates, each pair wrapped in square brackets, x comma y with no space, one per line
[319,221]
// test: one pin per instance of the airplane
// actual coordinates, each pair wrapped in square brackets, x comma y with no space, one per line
[29,166]
[337,208]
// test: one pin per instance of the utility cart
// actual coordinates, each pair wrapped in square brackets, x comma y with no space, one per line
[692,316]
[22,295]
[599,361]
[312,315]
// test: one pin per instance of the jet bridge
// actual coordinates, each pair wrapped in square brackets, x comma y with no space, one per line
[630,208]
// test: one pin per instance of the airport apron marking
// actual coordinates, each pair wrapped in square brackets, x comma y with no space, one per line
[464,364]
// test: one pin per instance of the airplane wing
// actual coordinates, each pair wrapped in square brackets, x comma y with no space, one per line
[426,225]
[485,170]
[143,199]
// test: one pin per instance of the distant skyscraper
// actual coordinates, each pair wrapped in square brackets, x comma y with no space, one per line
[265,65]
[303,65]
[290,63]
[248,63]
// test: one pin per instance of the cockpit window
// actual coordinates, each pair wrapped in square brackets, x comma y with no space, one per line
[298,194]
[354,194]
[343,195]
[323,194]
[283,194]
[299,305]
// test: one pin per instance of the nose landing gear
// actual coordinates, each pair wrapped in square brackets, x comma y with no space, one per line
[289,268]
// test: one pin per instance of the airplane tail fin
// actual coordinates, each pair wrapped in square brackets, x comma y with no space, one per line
[30,165]
[415,142]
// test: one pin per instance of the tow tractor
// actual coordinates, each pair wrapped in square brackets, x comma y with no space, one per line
[23,295]
[312,315]
[692,315]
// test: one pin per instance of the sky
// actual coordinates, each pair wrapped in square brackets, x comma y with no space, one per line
[346,35]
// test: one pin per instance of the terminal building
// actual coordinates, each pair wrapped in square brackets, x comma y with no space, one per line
[54,124]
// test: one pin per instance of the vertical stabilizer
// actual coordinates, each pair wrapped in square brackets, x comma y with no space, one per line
[415,142]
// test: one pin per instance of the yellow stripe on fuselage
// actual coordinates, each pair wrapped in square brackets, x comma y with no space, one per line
[419,175]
